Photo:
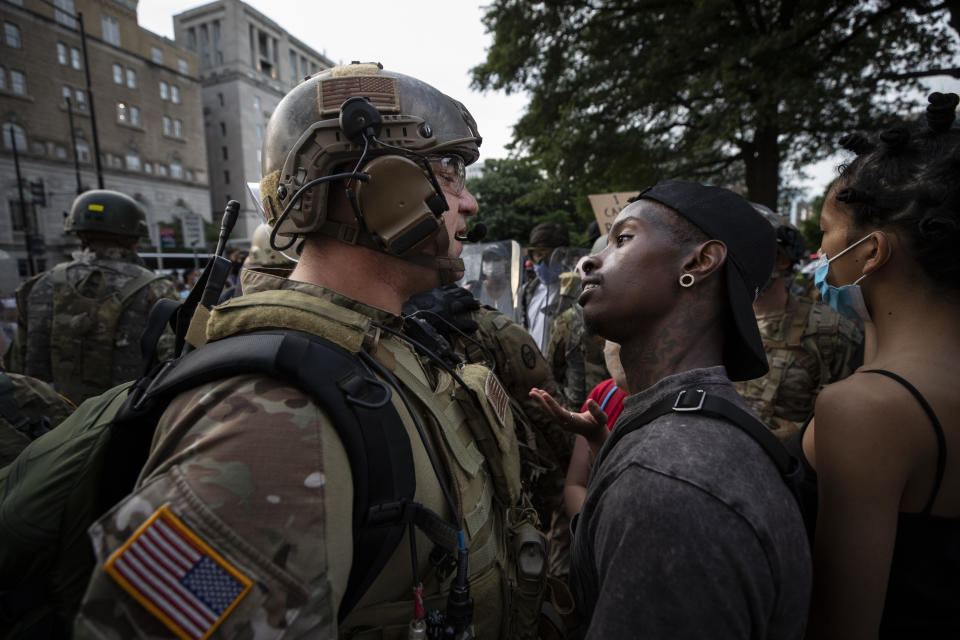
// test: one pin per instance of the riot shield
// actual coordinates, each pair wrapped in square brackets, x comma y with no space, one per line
[493,274]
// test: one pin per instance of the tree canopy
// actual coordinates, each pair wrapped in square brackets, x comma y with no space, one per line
[626,92]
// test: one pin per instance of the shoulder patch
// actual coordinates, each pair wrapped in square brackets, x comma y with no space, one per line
[498,397]
[177,577]
[528,356]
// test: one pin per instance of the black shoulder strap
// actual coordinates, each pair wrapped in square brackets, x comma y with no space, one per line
[698,401]
[359,407]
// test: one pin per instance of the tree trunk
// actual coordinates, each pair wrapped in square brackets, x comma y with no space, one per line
[762,163]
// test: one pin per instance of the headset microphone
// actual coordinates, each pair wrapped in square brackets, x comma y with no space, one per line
[477,233]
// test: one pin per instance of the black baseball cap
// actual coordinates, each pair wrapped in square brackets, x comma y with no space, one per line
[751,251]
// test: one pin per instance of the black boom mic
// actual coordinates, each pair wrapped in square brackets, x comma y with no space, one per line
[477,233]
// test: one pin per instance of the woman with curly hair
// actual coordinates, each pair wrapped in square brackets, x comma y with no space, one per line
[886,440]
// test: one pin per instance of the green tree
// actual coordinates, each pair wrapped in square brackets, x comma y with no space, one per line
[625,92]
[514,196]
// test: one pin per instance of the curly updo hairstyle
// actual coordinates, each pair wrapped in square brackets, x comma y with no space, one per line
[907,179]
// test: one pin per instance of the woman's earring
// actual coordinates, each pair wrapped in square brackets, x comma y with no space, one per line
[686,280]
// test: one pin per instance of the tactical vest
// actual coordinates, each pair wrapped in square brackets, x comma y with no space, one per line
[82,340]
[471,431]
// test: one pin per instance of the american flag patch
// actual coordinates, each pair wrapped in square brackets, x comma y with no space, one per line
[177,577]
[379,90]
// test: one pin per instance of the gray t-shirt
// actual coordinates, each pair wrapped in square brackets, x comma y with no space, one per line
[688,530]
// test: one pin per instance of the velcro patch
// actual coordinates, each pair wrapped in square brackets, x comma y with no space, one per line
[379,90]
[497,396]
[177,577]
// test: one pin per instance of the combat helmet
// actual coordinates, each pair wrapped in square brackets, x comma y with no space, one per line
[335,118]
[261,253]
[789,237]
[107,211]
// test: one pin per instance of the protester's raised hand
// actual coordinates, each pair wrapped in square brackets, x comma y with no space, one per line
[591,424]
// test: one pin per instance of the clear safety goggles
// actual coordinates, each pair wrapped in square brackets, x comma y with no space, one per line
[451,173]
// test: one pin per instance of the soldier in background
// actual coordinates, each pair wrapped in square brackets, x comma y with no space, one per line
[83,319]
[28,409]
[808,344]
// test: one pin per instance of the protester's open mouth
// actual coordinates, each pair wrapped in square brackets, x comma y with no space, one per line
[589,285]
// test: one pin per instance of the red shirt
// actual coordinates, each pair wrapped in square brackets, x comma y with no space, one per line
[610,398]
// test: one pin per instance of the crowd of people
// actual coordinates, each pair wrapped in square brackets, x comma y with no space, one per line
[670,440]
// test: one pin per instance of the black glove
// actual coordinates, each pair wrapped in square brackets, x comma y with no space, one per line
[448,305]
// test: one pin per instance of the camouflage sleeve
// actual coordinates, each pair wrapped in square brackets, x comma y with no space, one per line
[229,523]
[39,323]
[556,353]
[163,289]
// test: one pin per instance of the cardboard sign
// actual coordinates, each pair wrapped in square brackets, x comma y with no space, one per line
[606,206]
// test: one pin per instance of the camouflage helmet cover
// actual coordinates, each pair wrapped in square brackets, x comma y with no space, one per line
[107,211]
[789,237]
[304,141]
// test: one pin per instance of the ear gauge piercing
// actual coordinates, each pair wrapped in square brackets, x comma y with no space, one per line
[686,280]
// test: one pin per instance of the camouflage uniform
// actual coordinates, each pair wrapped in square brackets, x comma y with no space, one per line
[575,356]
[808,346]
[34,400]
[255,469]
[84,320]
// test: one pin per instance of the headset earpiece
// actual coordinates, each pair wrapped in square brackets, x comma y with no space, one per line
[359,120]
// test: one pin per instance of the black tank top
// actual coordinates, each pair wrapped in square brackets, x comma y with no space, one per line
[923,591]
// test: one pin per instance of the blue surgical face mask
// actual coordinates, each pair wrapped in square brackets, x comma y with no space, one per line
[848,299]
[547,273]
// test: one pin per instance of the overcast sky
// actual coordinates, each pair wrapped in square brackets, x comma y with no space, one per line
[437,41]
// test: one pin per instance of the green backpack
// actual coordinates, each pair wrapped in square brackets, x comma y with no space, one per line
[66,479]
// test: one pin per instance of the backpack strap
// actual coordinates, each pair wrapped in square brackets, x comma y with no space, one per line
[699,401]
[359,407]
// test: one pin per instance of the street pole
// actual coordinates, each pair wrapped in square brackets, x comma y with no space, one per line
[23,202]
[93,113]
[73,141]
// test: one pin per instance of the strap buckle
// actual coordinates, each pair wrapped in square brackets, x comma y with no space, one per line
[678,404]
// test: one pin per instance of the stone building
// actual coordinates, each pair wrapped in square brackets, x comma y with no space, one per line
[148,118]
[247,64]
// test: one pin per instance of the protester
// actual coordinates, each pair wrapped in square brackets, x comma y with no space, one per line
[688,529]
[540,298]
[885,442]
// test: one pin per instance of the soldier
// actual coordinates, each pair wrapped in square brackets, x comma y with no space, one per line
[575,355]
[808,344]
[540,299]
[28,409]
[365,166]
[263,256]
[84,318]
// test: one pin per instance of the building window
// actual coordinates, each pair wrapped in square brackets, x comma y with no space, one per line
[162,170]
[189,175]
[17,219]
[257,105]
[133,161]
[176,170]
[80,104]
[83,151]
[164,90]
[60,152]
[147,167]
[220,99]
[177,128]
[293,65]
[64,14]
[67,93]
[19,3]
[174,94]
[223,128]
[75,58]
[14,133]
[11,33]
[3,79]
[217,46]
[223,151]
[259,132]
[135,116]
[156,54]
[182,66]
[166,125]
[111,30]
[18,83]
[38,148]
[303,66]
[313,68]
[192,39]
[117,74]
[123,112]
[131,78]
[226,177]
[63,54]
[204,47]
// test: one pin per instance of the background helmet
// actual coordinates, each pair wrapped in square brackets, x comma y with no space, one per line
[107,212]
[262,254]
[789,237]
[304,139]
